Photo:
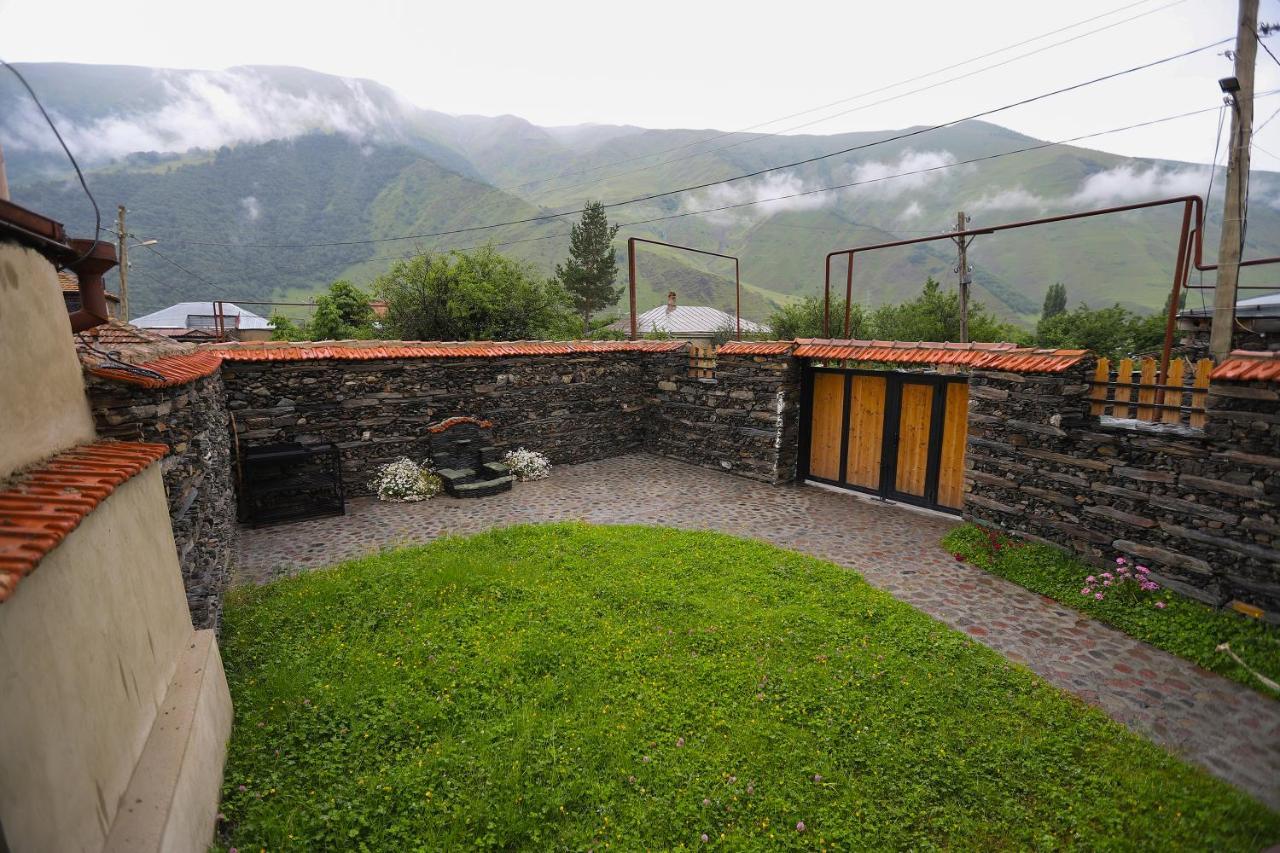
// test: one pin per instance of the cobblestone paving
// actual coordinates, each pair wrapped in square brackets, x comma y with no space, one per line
[1226,728]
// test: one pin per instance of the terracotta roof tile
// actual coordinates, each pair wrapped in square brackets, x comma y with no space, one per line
[369,350]
[1001,356]
[1248,366]
[172,370]
[45,503]
[756,348]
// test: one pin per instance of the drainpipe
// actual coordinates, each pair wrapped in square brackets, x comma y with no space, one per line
[97,257]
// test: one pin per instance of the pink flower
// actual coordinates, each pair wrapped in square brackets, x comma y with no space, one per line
[1142,570]
[1107,575]
[1098,595]
[704,838]
[706,801]
[1091,579]
[800,826]
[242,788]
[817,777]
[679,742]
[1106,583]
[1160,604]
[1120,561]
[1086,591]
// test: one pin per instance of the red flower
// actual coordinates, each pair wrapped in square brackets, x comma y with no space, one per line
[959,557]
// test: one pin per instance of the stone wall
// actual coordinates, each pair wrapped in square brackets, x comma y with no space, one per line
[1200,507]
[574,408]
[745,420]
[192,420]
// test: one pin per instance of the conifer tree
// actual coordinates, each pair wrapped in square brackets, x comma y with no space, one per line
[591,270]
[1055,301]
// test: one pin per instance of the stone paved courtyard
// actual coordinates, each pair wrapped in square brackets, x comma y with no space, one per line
[1226,728]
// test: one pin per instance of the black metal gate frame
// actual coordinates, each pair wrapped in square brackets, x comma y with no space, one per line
[889,436]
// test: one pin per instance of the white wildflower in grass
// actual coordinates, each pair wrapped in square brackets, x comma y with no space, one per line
[405,480]
[528,464]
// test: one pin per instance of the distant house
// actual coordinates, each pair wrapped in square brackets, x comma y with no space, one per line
[71,295]
[194,321]
[1257,322]
[698,324]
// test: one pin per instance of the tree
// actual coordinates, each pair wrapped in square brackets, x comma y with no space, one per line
[342,313]
[803,319]
[478,296]
[935,316]
[1055,301]
[591,270]
[1114,332]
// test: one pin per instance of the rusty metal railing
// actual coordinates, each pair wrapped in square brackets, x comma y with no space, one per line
[631,276]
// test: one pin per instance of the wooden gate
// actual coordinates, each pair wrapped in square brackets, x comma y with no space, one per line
[897,435]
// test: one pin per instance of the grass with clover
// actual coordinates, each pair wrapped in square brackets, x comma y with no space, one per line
[573,687]
[1183,627]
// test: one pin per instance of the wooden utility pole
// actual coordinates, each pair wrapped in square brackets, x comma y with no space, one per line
[1231,246]
[4,180]
[962,267]
[122,253]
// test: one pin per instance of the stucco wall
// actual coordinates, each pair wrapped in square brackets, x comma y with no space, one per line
[42,404]
[88,645]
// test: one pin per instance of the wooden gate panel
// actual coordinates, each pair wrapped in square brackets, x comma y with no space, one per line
[826,425]
[955,431]
[866,431]
[914,418]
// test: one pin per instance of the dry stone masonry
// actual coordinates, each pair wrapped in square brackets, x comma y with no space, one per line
[1201,508]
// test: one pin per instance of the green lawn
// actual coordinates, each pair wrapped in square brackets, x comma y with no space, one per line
[574,687]
[1184,627]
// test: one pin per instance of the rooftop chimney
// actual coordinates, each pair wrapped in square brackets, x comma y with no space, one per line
[671,301]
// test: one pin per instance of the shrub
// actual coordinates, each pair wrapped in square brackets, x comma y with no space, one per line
[404,480]
[528,464]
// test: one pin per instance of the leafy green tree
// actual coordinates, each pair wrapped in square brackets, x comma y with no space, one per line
[326,323]
[477,296]
[353,304]
[935,316]
[803,319]
[1055,300]
[285,329]
[1115,332]
[591,270]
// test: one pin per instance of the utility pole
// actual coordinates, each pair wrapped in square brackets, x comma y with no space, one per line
[962,267]
[1240,92]
[122,253]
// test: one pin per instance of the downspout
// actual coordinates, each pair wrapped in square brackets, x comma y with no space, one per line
[96,258]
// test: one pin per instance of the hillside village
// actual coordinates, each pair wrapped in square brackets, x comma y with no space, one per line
[379,477]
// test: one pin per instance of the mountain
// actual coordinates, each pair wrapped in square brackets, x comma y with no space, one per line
[287,156]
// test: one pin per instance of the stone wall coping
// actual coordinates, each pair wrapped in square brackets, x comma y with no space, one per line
[1248,366]
[371,350]
[45,503]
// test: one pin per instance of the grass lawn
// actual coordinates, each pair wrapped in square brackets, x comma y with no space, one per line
[573,687]
[1184,627]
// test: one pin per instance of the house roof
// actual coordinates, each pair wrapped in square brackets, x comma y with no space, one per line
[688,320]
[1268,305]
[71,284]
[175,316]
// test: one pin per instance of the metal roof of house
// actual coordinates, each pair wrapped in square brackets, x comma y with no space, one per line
[175,316]
[688,320]
[1268,305]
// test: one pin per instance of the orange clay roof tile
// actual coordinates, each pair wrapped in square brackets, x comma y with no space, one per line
[173,370]
[756,348]
[45,503]
[1248,366]
[998,356]
[369,350]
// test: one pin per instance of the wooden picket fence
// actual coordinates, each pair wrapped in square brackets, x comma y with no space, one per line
[702,362]
[1179,399]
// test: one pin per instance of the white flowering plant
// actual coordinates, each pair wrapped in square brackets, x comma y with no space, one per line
[405,480]
[528,464]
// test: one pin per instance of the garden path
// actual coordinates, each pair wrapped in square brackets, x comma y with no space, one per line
[1226,728]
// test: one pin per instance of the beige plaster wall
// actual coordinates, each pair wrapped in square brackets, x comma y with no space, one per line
[42,404]
[89,643]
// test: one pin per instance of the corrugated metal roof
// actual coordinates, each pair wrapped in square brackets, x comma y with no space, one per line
[756,348]
[175,316]
[45,504]
[1248,366]
[688,320]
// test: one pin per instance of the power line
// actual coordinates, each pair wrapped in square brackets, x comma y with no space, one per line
[965,76]
[744,176]
[868,92]
[97,214]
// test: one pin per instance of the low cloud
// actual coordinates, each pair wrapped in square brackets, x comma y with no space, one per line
[1134,183]
[877,178]
[749,192]
[1016,198]
[212,109]
[252,209]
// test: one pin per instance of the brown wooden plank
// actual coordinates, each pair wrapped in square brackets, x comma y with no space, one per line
[1203,368]
[1124,389]
[1173,398]
[913,438]
[1101,374]
[955,429]
[866,431]
[827,419]
[1146,390]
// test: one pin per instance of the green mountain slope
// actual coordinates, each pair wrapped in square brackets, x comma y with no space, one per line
[311,158]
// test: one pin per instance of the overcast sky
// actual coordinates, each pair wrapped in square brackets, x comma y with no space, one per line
[724,65]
